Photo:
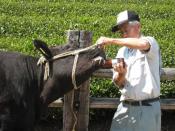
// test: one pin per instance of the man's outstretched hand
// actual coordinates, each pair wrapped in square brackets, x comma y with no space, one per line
[102,42]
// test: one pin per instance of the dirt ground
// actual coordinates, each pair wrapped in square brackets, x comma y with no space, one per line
[103,122]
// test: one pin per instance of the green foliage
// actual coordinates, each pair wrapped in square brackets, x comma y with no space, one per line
[23,20]
[101,87]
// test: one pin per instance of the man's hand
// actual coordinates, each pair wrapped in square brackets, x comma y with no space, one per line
[120,78]
[102,41]
[120,68]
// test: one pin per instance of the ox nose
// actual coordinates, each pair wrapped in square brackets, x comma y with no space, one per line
[99,60]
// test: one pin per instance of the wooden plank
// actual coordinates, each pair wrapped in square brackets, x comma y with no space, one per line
[167,73]
[168,104]
[57,103]
[104,102]
[103,73]
[112,103]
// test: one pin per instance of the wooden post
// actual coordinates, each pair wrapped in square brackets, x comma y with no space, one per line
[81,96]
[68,118]
[83,114]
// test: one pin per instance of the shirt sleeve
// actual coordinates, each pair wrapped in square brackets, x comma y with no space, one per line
[120,53]
[154,48]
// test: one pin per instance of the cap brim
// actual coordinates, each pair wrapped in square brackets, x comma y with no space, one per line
[115,28]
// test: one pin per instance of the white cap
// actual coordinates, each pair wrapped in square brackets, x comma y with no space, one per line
[125,16]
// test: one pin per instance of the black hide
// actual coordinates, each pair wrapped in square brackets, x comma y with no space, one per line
[24,94]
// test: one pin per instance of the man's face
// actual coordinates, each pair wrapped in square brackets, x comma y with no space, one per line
[128,30]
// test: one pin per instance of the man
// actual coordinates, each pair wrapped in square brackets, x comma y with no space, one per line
[139,80]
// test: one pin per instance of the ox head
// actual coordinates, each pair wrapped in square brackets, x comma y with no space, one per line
[60,80]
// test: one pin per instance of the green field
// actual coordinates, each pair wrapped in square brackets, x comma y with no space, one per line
[22,21]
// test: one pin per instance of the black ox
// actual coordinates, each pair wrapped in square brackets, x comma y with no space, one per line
[23,92]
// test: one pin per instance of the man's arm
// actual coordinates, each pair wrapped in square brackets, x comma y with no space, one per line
[135,43]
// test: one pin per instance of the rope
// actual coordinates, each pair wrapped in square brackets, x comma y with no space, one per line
[75,87]
[43,60]
[74,70]
[74,52]
[74,114]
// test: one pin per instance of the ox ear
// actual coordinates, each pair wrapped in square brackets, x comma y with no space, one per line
[43,48]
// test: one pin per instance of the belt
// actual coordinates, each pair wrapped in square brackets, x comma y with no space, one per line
[141,102]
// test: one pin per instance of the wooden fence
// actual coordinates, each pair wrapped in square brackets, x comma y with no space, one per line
[82,101]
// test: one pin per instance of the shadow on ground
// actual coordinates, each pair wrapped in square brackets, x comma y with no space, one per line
[100,120]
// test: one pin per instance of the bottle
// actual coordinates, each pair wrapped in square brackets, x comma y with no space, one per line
[109,63]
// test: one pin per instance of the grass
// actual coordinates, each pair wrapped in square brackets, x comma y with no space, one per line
[21,21]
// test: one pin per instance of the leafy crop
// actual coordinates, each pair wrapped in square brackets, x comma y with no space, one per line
[23,20]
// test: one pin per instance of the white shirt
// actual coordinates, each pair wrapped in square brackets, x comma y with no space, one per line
[143,72]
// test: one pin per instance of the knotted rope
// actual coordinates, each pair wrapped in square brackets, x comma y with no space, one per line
[44,61]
